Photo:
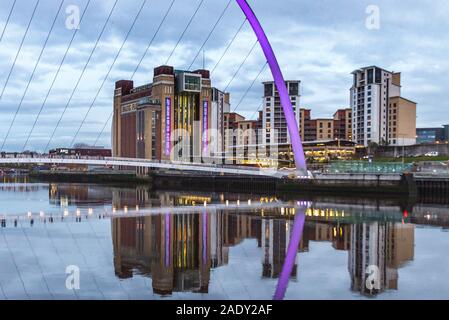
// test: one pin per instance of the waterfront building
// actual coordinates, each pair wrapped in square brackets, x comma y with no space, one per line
[343,124]
[273,120]
[323,129]
[401,122]
[244,140]
[220,106]
[379,114]
[168,118]
[432,135]
[231,124]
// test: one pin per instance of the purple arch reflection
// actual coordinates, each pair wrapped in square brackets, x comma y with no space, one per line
[280,84]
[287,268]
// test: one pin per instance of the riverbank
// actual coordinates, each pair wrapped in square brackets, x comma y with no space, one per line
[344,185]
[122,178]
[335,184]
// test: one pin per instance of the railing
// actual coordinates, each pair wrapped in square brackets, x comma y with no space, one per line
[133,162]
[366,167]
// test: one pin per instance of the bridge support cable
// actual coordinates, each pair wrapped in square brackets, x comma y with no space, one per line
[105,253]
[54,78]
[20,49]
[7,20]
[13,260]
[109,71]
[152,39]
[257,111]
[229,45]
[36,258]
[210,33]
[250,87]
[32,76]
[86,263]
[240,66]
[81,75]
[52,241]
[184,31]
[102,129]
[139,63]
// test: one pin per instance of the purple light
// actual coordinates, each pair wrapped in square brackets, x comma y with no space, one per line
[167,126]
[280,84]
[205,127]
[167,240]
[290,258]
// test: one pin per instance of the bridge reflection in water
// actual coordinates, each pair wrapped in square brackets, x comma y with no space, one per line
[213,253]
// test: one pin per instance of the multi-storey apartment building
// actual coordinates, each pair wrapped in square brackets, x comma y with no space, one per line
[343,124]
[325,129]
[273,121]
[371,96]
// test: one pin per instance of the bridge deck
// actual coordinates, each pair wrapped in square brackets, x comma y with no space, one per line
[142,163]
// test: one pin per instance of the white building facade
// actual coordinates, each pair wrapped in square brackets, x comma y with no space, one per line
[273,123]
[369,96]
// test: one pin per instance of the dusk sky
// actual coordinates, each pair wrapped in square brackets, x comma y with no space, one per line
[319,42]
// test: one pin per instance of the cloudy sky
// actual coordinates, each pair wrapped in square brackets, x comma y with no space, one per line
[319,42]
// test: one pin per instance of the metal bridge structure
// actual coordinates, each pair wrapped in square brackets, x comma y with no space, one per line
[150,164]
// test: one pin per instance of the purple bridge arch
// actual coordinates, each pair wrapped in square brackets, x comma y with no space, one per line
[287,107]
[298,151]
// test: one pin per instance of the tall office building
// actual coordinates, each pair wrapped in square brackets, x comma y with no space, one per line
[379,113]
[168,118]
[273,122]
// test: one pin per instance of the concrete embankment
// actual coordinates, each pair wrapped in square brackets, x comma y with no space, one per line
[330,184]
[353,184]
[344,184]
[90,177]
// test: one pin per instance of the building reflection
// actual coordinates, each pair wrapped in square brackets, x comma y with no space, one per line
[178,251]
[385,245]
[80,195]
[18,183]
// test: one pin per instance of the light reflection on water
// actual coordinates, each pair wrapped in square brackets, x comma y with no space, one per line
[215,254]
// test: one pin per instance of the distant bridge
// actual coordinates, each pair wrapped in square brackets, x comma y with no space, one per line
[143,163]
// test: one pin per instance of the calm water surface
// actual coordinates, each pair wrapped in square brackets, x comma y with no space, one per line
[215,253]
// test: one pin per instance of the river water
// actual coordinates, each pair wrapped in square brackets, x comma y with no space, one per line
[86,241]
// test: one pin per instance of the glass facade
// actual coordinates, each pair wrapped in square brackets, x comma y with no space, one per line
[192,83]
[432,135]
[186,113]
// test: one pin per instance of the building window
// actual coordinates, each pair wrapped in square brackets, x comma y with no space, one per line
[294,89]
[268,89]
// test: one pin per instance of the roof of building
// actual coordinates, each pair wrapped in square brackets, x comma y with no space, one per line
[399,97]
